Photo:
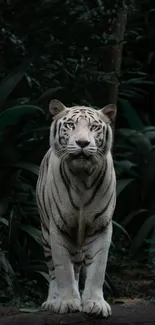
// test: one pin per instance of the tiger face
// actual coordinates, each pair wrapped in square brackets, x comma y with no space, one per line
[80,134]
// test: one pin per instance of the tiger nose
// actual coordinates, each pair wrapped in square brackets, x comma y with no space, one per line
[82,143]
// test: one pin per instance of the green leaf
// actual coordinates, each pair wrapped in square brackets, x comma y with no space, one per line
[130,94]
[148,176]
[33,233]
[4,204]
[130,114]
[4,221]
[107,285]
[126,132]
[45,275]
[29,310]
[11,216]
[140,81]
[11,81]
[122,229]
[22,186]
[42,131]
[144,231]
[13,115]
[150,132]
[132,216]
[25,198]
[122,185]
[6,270]
[125,167]
[48,94]
[26,166]
[127,87]
[133,142]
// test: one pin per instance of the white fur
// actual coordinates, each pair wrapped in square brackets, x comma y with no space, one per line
[67,250]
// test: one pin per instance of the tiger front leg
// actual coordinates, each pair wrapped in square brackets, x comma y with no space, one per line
[96,255]
[68,297]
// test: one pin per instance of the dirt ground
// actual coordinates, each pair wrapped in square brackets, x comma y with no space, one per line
[133,304]
[133,282]
[127,314]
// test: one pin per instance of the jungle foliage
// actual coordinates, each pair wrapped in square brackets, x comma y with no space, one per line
[59,54]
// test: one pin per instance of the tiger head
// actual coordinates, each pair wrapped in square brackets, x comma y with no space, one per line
[81,134]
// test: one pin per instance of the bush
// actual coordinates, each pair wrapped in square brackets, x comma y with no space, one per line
[65,60]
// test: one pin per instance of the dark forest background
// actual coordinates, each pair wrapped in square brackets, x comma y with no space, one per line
[80,53]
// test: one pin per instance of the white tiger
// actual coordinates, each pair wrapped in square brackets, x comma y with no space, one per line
[76,196]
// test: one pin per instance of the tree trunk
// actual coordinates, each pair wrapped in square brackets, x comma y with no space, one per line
[114,23]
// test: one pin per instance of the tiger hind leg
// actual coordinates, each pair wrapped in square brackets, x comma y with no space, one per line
[52,290]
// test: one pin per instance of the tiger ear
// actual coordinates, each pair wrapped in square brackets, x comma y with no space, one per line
[109,111]
[56,108]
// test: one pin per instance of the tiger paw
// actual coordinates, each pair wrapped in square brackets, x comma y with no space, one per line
[62,306]
[97,307]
